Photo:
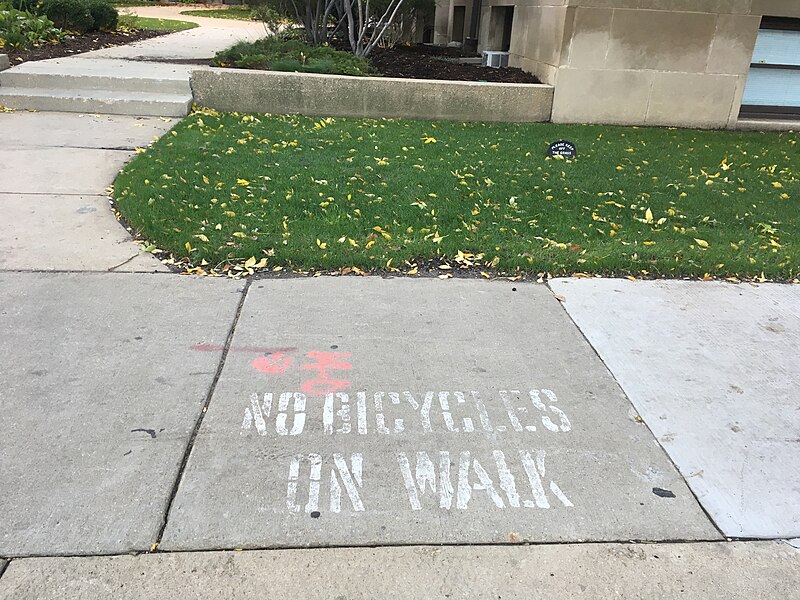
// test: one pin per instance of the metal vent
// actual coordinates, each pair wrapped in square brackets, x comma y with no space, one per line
[492,58]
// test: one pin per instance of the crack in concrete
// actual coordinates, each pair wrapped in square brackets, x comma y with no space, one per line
[124,262]
[610,542]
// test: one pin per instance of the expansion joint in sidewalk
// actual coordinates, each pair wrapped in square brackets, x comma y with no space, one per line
[649,429]
[199,422]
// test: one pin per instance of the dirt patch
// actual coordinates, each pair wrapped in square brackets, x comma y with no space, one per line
[77,44]
[415,63]
[425,61]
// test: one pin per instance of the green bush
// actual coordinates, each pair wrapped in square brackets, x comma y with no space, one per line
[20,29]
[278,54]
[105,16]
[71,15]
[31,6]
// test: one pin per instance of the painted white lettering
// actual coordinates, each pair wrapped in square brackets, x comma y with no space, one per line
[342,476]
[344,413]
[425,409]
[380,419]
[362,412]
[329,413]
[350,481]
[299,420]
[565,424]
[254,415]
[486,484]
[424,478]
[464,490]
[535,471]
[482,414]
[445,405]
[507,483]
[505,396]
[315,460]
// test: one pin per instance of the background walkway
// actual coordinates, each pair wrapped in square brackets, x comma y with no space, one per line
[150,77]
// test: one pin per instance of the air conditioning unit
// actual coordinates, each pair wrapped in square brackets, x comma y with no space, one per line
[492,58]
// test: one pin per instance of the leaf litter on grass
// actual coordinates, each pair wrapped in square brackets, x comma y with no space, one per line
[334,195]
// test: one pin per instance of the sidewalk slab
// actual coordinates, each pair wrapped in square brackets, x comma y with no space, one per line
[69,233]
[99,393]
[361,411]
[742,570]
[59,170]
[714,370]
[202,42]
[75,130]
[54,170]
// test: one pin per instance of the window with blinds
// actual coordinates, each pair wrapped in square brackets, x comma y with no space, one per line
[773,84]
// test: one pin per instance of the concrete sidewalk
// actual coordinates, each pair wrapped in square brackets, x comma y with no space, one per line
[737,571]
[713,368]
[150,77]
[55,169]
[202,42]
[143,411]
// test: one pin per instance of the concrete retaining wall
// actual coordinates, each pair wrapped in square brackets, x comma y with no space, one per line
[340,96]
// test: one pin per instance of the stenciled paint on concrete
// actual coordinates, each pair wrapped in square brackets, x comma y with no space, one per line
[422,474]
[403,411]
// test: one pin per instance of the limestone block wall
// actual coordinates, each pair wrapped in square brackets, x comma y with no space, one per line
[655,62]
[638,62]
[776,8]
[537,36]
[444,20]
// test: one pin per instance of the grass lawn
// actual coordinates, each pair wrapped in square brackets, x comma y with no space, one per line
[240,13]
[325,194]
[134,22]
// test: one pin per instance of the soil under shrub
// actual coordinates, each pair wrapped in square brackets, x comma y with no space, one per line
[430,62]
[81,43]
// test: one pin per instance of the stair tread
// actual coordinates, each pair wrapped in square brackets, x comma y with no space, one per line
[93,94]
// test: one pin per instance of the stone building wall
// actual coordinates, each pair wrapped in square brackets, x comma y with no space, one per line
[639,62]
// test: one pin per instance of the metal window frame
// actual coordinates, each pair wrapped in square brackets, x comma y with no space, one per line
[773,112]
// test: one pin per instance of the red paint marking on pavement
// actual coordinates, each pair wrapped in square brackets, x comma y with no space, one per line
[327,361]
[251,349]
[275,364]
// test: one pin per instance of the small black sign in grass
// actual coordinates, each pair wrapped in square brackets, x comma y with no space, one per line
[562,148]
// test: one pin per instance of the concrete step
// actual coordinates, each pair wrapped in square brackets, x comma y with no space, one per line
[114,102]
[43,80]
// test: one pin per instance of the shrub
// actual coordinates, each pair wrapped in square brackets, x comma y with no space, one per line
[20,29]
[72,15]
[291,55]
[31,6]
[105,16]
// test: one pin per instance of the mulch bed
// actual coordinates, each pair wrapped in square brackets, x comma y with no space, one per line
[424,61]
[81,43]
[414,64]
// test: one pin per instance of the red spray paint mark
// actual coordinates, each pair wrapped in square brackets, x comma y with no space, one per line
[322,383]
[275,364]
[250,349]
